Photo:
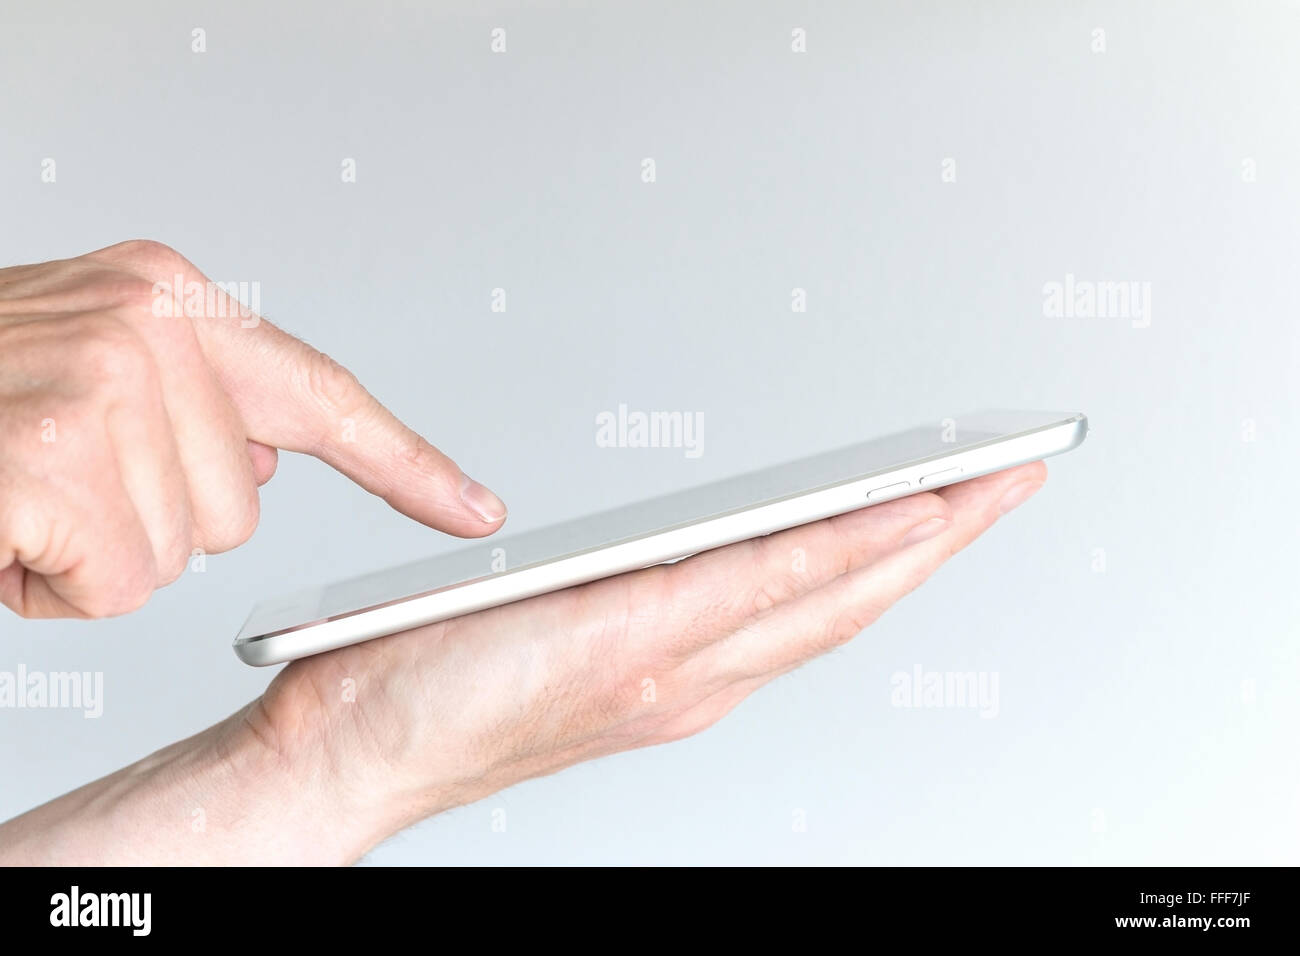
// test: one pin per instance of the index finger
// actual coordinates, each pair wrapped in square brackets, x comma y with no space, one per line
[294,397]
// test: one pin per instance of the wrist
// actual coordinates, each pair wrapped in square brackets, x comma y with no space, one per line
[220,797]
[293,801]
[316,732]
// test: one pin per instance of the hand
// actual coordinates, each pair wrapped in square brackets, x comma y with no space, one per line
[439,716]
[347,748]
[136,428]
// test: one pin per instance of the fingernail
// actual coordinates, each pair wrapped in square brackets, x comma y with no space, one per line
[481,501]
[1018,495]
[925,531]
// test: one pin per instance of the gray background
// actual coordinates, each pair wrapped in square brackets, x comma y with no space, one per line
[1147,711]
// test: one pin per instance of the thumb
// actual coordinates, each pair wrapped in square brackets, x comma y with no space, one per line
[294,397]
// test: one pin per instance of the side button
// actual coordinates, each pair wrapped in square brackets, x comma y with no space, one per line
[888,491]
[939,477]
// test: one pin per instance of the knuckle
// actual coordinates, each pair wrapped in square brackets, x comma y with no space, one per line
[413,450]
[848,624]
[108,351]
[239,522]
[846,548]
[136,597]
[331,386]
[773,586]
[774,590]
[235,527]
[130,594]
[172,564]
[147,256]
[25,532]
[251,517]
[767,595]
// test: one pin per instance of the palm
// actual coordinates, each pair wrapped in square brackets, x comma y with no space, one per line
[467,706]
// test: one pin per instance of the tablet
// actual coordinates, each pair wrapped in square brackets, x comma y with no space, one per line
[495,571]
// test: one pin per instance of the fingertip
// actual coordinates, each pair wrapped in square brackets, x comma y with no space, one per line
[482,502]
[1020,484]
[956,495]
[449,515]
[1018,494]
[1034,471]
[1030,471]
[264,459]
[926,530]
[476,529]
[932,516]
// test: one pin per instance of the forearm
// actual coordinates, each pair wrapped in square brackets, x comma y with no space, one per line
[219,797]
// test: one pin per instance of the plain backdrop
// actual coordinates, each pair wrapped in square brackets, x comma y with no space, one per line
[1140,614]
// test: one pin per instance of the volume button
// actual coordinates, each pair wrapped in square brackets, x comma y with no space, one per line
[939,477]
[888,491]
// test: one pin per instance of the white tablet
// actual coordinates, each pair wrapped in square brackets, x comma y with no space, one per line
[495,571]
